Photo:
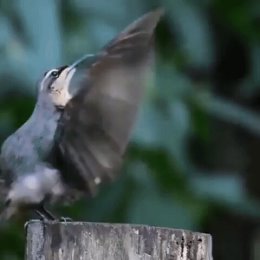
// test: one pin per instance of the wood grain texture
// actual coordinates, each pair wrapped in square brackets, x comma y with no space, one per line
[99,241]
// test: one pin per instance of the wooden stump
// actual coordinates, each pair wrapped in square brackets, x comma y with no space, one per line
[99,241]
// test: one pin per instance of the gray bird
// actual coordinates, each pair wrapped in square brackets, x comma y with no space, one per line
[80,127]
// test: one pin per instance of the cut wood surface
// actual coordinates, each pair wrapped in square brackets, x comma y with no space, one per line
[100,241]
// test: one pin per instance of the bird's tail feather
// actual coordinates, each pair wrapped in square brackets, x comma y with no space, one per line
[3,189]
[5,210]
[4,216]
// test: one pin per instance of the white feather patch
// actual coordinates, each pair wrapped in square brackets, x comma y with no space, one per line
[60,89]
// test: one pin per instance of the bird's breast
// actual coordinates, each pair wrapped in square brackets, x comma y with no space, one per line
[30,144]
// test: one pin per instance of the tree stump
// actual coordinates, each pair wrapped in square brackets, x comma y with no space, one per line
[100,241]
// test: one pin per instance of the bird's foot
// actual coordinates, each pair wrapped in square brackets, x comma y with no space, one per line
[45,215]
[66,219]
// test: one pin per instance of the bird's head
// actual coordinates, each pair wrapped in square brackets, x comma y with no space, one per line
[54,86]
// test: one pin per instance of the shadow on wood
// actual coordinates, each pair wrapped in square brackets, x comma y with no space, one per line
[99,241]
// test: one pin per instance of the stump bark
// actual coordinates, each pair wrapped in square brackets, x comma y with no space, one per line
[99,241]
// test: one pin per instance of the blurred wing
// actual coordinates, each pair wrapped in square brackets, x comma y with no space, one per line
[95,128]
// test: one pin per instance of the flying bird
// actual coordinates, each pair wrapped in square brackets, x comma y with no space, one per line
[76,137]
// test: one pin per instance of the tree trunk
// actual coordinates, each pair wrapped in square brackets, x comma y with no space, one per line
[99,241]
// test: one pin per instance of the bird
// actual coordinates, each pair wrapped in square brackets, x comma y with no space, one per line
[76,137]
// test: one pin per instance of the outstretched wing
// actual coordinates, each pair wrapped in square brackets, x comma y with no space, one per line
[96,124]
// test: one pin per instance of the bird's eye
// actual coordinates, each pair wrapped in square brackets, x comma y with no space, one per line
[55,74]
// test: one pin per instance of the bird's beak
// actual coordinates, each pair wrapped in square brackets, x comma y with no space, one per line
[82,63]
[76,73]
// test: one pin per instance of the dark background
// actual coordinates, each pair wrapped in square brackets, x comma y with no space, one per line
[194,159]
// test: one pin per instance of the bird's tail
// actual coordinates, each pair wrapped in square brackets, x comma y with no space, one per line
[5,210]
[3,190]
[3,218]
[4,215]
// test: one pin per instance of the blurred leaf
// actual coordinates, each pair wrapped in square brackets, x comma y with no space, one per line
[227,190]
[250,85]
[240,15]
[151,206]
[43,37]
[190,22]
[230,112]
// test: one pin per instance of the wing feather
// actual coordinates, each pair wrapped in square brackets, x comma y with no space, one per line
[97,122]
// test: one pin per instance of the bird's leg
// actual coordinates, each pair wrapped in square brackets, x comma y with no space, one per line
[45,214]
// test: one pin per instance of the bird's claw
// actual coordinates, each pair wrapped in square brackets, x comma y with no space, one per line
[65,219]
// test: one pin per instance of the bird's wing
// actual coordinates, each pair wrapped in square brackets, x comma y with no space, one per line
[94,130]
